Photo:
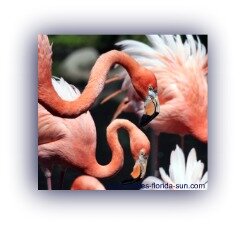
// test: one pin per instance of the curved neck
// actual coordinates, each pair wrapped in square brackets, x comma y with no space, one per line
[49,98]
[116,163]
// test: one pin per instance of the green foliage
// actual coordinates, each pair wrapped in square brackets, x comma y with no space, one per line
[73,41]
[65,44]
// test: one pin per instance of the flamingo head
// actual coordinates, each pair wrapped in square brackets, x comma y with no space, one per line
[140,166]
[140,148]
[145,84]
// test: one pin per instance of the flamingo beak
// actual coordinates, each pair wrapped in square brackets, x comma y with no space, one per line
[140,167]
[151,107]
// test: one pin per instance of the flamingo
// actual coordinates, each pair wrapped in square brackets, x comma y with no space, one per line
[72,142]
[181,70]
[143,81]
[67,133]
[87,183]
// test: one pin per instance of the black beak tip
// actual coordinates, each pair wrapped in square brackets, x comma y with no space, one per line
[144,120]
[147,118]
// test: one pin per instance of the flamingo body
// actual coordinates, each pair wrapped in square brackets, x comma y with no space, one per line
[181,71]
[57,134]
[71,142]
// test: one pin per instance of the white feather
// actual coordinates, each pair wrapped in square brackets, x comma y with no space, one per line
[190,53]
[132,46]
[65,91]
[165,177]
[181,173]
[191,161]
[177,166]
[204,178]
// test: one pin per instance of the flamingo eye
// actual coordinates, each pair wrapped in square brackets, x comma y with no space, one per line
[150,88]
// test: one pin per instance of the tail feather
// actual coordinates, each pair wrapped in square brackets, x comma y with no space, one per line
[44,59]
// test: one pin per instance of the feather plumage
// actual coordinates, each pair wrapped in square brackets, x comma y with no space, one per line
[181,71]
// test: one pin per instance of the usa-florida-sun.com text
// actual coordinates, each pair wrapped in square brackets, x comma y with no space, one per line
[166,186]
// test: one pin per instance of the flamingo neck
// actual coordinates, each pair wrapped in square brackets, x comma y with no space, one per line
[49,98]
[116,163]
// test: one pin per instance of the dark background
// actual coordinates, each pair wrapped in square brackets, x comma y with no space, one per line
[165,143]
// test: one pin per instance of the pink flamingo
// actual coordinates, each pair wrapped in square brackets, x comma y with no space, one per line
[87,183]
[181,71]
[72,141]
[143,81]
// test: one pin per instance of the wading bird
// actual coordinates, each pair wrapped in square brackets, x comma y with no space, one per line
[142,79]
[67,133]
[87,183]
[181,70]
[71,142]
